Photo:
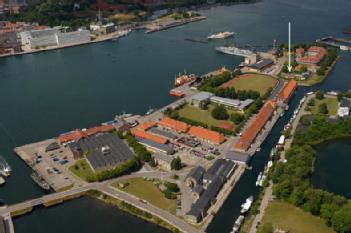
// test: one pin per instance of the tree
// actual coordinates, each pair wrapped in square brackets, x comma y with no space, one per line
[311,103]
[339,96]
[152,162]
[176,164]
[341,220]
[320,95]
[172,187]
[237,118]
[220,113]
[323,108]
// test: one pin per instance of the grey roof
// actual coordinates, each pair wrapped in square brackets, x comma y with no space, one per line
[238,157]
[196,173]
[201,96]
[261,64]
[225,101]
[118,153]
[345,103]
[221,168]
[204,202]
[163,157]
[155,145]
[244,104]
[163,133]
[198,189]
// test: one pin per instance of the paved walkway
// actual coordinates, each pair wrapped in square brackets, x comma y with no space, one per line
[264,203]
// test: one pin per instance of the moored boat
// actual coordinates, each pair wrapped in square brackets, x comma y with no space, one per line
[5,168]
[247,205]
[238,222]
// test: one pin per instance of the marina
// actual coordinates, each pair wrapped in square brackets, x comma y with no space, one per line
[340,43]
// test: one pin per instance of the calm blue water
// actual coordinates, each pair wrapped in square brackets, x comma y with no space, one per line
[42,95]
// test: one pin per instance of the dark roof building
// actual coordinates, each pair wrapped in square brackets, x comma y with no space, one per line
[261,65]
[195,176]
[214,179]
[221,168]
[104,151]
[239,157]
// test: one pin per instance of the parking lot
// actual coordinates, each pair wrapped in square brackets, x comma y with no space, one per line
[52,165]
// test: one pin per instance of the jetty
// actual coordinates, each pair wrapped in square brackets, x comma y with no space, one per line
[340,43]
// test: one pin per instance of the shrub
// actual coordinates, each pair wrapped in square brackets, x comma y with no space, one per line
[220,113]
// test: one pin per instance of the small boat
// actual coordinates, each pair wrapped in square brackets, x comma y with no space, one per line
[247,205]
[258,149]
[2,181]
[40,181]
[220,35]
[5,169]
[238,222]
[259,178]
[150,111]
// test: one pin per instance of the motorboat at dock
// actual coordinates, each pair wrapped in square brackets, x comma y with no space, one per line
[247,205]
[5,169]
[238,222]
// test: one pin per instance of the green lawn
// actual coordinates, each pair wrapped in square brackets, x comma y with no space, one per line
[148,191]
[82,169]
[332,104]
[203,116]
[288,217]
[256,82]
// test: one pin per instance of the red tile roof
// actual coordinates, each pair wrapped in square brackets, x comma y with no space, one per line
[146,125]
[300,51]
[149,136]
[251,133]
[288,91]
[206,134]
[78,134]
[320,52]
[174,124]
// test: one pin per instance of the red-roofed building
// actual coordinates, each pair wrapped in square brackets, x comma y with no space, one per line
[146,125]
[287,91]
[78,134]
[149,136]
[209,135]
[180,126]
[300,52]
[251,133]
[315,54]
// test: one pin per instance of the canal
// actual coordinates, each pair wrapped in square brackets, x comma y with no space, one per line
[43,95]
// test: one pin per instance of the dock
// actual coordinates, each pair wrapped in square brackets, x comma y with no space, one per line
[340,43]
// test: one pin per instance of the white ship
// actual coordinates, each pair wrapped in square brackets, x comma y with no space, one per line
[247,205]
[238,223]
[232,50]
[220,35]
[259,179]
[2,181]
[5,169]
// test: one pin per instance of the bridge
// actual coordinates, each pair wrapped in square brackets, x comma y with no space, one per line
[105,188]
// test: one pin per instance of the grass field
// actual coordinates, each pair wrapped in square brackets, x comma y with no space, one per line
[256,82]
[332,104]
[288,217]
[148,191]
[203,116]
[82,169]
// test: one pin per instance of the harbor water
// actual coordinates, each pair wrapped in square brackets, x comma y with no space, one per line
[45,94]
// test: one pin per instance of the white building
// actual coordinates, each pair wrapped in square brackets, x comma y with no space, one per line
[35,39]
[344,107]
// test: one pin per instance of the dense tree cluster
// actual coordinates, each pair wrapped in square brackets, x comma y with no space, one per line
[176,164]
[210,84]
[331,56]
[292,184]
[220,113]
[140,150]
